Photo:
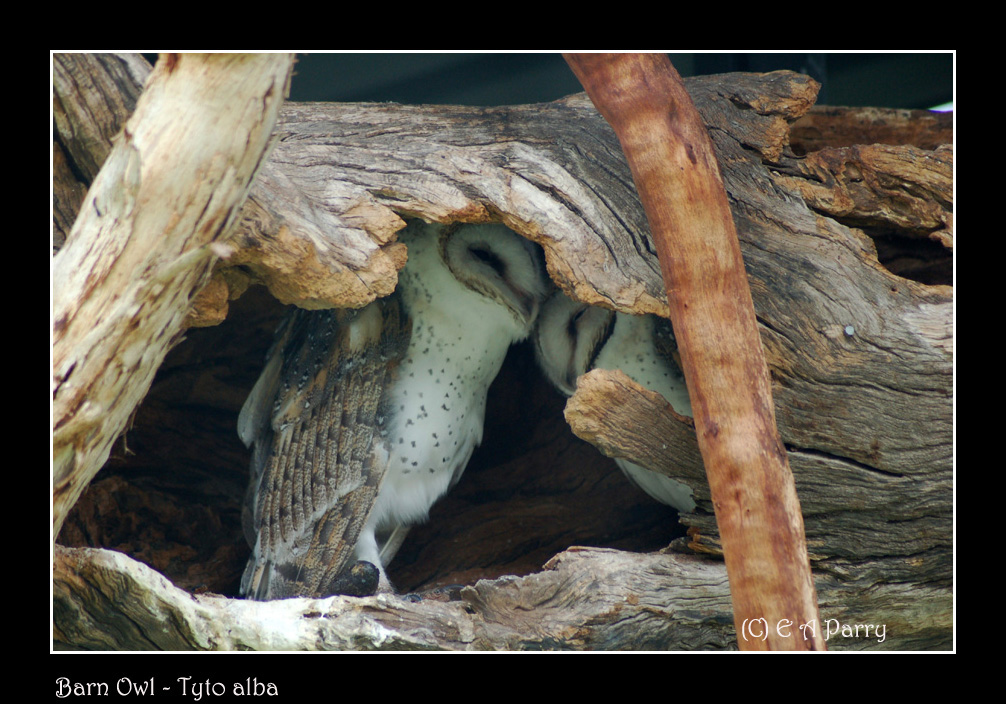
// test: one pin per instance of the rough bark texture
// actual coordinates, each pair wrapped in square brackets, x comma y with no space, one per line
[585,599]
[93,95]
[145,240]
[826,126]
[860,357]
[678,179]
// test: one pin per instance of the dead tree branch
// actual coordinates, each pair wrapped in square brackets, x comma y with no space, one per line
[675,170]
[147,236]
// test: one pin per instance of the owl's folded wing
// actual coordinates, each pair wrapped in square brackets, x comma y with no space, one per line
[314,419]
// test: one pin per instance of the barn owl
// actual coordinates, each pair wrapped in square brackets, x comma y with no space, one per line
[361,420]
[572,338]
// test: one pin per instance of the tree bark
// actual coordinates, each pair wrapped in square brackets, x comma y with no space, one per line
[93,96]
[145,240]
[860,359]
[675,171]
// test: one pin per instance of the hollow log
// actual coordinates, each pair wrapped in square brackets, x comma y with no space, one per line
[860,355]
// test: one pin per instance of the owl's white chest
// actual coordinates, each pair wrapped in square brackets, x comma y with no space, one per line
[631,348]
[436,406]
[436,411]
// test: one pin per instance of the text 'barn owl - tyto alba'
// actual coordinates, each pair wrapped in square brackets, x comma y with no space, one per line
[362,419]
[572,338]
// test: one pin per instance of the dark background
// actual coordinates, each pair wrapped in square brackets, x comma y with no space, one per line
[894,80]
[890,80]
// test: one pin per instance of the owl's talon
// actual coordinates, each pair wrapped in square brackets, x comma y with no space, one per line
[361,579]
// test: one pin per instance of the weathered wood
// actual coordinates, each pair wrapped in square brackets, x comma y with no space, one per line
[828,126]
[605,411]
[583,599]
[105,601]
[866,414]
[446,164]
[145,241]
[858,520]
[678,178]
[93,95]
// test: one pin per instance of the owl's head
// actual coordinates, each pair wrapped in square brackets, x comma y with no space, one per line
[568,337]
[500,265]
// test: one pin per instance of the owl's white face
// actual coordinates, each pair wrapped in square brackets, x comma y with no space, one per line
[504,268]
[571,338]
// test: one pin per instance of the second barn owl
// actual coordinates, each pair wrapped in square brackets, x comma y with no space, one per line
[361,420]
[571,338]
